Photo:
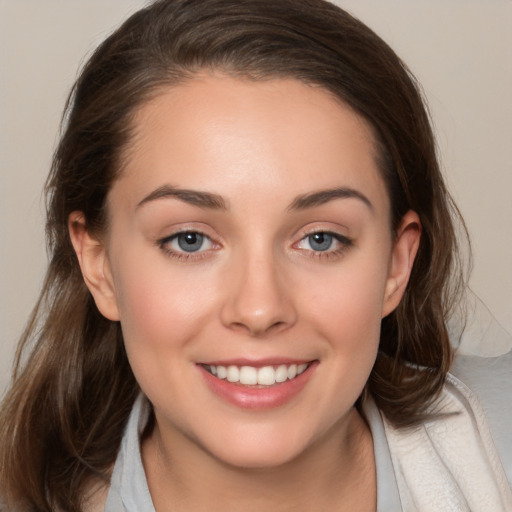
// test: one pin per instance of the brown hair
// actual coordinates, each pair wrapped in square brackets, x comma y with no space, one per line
[62,421]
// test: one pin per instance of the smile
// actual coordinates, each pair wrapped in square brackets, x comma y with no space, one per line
[252,376]
[260,386]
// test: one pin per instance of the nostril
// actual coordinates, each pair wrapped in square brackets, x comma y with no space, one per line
[277,326]
[258,330]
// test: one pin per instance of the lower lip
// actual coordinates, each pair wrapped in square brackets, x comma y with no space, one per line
[253,398]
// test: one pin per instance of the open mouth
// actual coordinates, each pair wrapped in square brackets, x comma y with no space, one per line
[252,376]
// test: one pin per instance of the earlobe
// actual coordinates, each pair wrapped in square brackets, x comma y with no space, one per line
[405,248]
[93,261]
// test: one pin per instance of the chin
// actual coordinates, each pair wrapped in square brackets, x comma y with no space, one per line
[258,459]
[260,448]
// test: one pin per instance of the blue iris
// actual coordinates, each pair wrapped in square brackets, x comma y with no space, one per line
[190,242]
[320,241]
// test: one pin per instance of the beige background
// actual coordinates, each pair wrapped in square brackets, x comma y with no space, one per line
[461,50]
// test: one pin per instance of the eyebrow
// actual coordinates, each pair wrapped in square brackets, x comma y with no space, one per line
[324,196]
[212,201]
[202,199]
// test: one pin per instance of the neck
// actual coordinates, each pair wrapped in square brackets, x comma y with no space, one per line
[337,473]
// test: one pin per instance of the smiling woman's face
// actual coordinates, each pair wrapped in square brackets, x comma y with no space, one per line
[249,259]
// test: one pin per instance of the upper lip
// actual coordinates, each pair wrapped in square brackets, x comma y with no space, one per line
[257,363]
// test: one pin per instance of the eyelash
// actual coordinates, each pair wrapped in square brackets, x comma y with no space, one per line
[327,254]
[344,242]
[164,245]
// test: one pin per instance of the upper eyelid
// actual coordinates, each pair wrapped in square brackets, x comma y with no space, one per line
[323,226]
[327,231]
[182,232]
[187,229]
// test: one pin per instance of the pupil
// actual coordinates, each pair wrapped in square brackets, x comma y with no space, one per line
[320,241]
[190,242]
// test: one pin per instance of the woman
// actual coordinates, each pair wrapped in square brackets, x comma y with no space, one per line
[252,265]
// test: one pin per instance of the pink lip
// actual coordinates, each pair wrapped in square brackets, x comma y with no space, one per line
[255,398]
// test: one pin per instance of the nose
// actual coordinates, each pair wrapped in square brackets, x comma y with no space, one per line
[258,297]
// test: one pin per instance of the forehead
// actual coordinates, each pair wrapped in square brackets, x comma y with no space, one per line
[222,134]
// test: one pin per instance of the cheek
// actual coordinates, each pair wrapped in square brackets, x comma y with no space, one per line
[346,306]
[351,295]
[161,306]
[161,313]
[342,313]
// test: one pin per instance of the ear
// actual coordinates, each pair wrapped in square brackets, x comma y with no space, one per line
[94,264]
[405,247]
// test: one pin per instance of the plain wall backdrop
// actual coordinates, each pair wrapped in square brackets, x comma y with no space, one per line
[461,51]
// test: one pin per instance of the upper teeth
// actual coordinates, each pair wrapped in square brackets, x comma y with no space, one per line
[249,375]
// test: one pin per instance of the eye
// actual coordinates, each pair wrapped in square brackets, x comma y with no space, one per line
[330,244]
[319,241]
[186,242]
[189,242]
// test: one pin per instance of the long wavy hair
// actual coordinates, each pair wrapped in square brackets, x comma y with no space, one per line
[62,420]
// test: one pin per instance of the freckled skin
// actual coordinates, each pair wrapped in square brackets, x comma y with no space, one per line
[256,288]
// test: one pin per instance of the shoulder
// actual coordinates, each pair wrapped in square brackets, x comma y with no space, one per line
[490,380]
[483,363]
[463,453]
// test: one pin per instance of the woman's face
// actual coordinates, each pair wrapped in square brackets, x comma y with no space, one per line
[249,260]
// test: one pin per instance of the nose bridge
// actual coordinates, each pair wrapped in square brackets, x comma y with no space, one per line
[258,299]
